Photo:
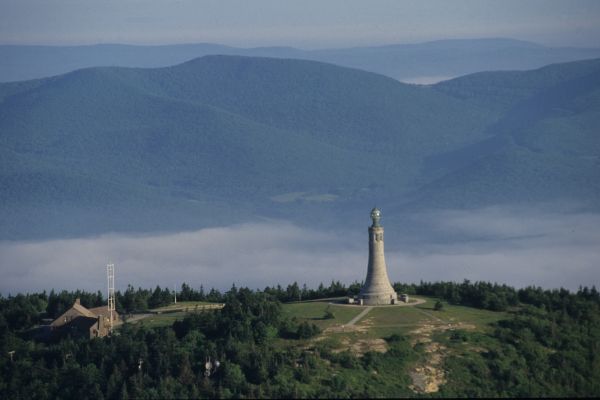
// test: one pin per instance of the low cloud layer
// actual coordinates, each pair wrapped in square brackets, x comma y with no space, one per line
[518,248]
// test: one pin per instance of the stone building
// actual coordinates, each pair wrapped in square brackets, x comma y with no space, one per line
[377,289]
[81,321]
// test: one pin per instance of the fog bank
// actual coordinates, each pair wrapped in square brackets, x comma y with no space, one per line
[516,247]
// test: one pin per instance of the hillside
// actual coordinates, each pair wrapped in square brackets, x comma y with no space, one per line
[545,139]
[225,139]
[453,340]
[419,62]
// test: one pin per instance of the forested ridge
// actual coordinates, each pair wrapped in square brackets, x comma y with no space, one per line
[440,58]
[228,139]
[547,346]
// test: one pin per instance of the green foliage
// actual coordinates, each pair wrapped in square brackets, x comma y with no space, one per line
[328,314]
[544,350]
[306,330]
[438,306]
[294,293]
[548,348]
[479,294]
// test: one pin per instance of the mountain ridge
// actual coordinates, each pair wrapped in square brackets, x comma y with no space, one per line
[404,62]
[117,145]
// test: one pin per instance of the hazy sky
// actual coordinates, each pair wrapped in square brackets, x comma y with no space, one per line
[304,23]
[514,246]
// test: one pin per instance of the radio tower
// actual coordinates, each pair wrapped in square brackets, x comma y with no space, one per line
[110,272]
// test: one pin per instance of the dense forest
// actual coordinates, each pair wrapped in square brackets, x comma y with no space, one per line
[548,346]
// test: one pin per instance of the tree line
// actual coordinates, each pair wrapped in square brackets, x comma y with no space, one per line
[546,346]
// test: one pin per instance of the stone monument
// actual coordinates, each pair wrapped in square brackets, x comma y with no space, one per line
[377,289]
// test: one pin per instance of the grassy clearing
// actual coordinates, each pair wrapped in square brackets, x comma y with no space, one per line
[183,306]
[466,315]
[160,320]
[165,316]
[314,312]
[382,322]
[433,347]
[385,316]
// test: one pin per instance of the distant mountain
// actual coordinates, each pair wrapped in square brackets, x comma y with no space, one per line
[545,144]
[224,139]
[415,63]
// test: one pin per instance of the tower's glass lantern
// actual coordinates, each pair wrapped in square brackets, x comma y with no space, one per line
[375,216]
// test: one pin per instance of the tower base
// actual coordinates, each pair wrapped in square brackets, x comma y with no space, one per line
[378,299]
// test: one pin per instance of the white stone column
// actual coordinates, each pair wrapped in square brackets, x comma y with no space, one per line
[377,288]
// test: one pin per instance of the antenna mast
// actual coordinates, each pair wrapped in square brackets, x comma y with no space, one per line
[110,273]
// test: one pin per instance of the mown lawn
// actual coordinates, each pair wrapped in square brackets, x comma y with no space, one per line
[382,322]
[467,315]
[159,320]
[399,315]
[185,305]
[314,312]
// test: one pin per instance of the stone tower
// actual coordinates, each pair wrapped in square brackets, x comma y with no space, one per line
[377,289]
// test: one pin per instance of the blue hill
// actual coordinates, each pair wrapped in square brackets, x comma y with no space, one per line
[224,139]
[419,62]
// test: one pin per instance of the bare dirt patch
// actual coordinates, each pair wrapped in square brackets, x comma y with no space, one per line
[341,328]
[362,346]
[364,327]
[477,349]
[428,376]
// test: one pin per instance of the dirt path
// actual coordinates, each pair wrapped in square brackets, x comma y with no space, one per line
[352,327]
[359,316]
[428,375]
[415,303]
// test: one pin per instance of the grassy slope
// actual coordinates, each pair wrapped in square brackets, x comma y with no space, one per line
[314,312]
[390,372]
[167,315]
[384,321]
[185,305]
